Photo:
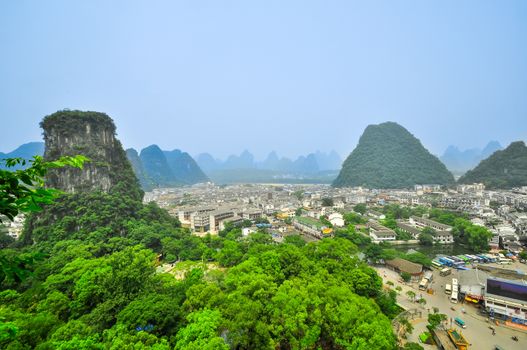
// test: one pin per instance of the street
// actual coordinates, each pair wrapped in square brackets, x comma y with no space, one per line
[477,331]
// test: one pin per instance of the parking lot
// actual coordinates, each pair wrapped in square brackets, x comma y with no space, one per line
[477,331]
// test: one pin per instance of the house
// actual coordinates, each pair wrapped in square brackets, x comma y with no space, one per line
[248,230]
[376,215]
[401,265]
[406,227]
[379,236]
[252,214]
[286,213]
[336,219]
[415,224]
[443,237]
[423,222]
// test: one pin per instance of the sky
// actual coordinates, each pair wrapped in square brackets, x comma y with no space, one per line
[291,76]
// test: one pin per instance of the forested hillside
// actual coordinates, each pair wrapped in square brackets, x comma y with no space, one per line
[156,168]
[184,167]
[388,156]
[503,169]
[101,270]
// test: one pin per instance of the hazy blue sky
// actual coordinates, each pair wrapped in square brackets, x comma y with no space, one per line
[293,76]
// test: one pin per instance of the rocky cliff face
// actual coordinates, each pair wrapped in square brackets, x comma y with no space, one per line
[92,134]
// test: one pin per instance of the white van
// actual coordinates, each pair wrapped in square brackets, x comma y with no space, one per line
[504,261]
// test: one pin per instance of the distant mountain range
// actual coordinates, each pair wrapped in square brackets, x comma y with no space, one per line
[156,168]
[153,167]
[459,161]
[25,151]
[309,164]
[388,156]
[318,167]
[503,169]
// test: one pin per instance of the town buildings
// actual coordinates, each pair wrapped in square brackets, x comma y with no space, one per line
[503,212]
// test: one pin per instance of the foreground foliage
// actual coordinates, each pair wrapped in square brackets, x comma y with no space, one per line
[99,285]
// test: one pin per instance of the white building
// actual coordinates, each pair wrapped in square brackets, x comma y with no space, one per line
[380,233]
[248,230]
[336,219]
[443,237]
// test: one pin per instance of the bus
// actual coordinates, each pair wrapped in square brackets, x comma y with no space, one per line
[453,296]
[448,289]
[483,258]
[491,257]
[504,261]
[476,258]
[436,264]
[428,276]
[446,261]
[457,262]
[464,258]
[454,284]
[471,258]
[460,322]
[423,284]
[445,272]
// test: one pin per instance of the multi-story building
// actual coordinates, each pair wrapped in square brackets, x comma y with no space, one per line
[217,216]
[415,225]
[423,222]
[252,214]
[406,227]
[200,221]
[380,233]
[185,214]
[507,300]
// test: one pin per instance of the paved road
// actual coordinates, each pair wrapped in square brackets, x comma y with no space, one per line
[477,332]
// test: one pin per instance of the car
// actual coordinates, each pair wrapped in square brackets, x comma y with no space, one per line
[497,347]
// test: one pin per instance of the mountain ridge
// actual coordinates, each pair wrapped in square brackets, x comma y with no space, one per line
[26,151]
[389,156]
[502,169]
[460,161]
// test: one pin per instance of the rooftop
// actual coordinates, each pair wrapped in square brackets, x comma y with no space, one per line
[405,266]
